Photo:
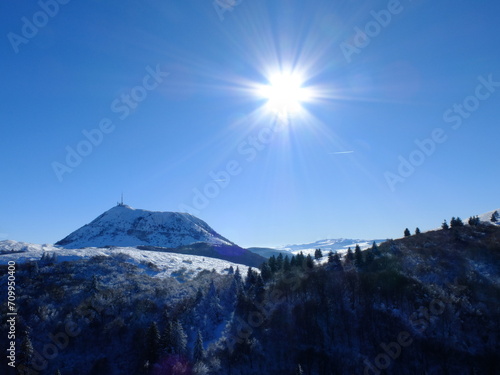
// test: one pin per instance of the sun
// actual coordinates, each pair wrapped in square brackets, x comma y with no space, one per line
[284,94]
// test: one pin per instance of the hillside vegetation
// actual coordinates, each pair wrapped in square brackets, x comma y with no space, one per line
[423,304]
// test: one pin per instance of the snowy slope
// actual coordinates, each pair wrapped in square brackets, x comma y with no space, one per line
[161,264]
[487,216]
[336,245]
[127,227]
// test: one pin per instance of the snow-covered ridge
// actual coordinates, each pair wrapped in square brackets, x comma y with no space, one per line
[336,245]
[125,226]
[161,264]
[487,216]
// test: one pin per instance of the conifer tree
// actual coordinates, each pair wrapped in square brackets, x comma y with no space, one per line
[198,351]
[279,262]
[251,277]
[300,259]
[358,256]
[152,343]
[474,221]
[179,337]
[494,217]
[259,288]
[210,306]
[265,272]
[375,249]
[407,232]
[417,231]
[272,264]
[445,225]
[286,264]
[309,261]
[456,222]
[350,255]
[237,277]
[336,263]
[318,254]
[167,342]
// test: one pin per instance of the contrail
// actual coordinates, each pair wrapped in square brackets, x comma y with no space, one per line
[341,152]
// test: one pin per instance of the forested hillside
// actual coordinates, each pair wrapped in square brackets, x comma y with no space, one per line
[424,304]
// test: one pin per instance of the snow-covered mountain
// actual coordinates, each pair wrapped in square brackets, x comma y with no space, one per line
[125,226]
[336,245]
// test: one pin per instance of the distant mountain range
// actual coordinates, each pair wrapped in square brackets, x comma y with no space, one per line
[339,245]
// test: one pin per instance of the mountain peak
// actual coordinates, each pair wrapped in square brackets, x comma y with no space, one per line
[123,225]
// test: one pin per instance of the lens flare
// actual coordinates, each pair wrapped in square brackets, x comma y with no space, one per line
[284,94]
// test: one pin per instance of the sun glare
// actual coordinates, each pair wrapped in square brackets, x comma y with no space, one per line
[284,94]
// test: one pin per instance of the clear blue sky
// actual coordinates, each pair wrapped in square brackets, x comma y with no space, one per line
[322,176]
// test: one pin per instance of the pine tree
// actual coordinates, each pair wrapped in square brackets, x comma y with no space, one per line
[336,263]
[358,256]
[301,259]
[350,255]
[279,262]
[318,254]
[456,222]
[167,342]
[198,351]
[474,221]
[231,270]
[330,257]
[375,249]
[286,265]
[407,232]
[272,264]
[179,337]
[237,277]
[445,225]
[152,343]
[265,272]
[309,261]
[251,277]
[417,231]
[494,217]
[259,288]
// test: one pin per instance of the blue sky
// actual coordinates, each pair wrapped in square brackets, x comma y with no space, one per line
[428,72]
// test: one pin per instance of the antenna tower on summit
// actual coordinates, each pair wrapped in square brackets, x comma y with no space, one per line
[121,202]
